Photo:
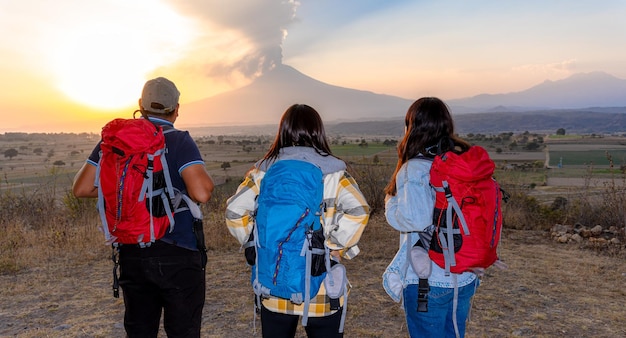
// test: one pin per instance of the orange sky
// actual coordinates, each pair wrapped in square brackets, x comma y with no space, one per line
[71,65]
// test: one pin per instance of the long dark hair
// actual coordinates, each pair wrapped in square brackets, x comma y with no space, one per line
[429,131]
[300,125]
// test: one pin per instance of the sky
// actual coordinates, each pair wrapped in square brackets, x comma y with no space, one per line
[70,65]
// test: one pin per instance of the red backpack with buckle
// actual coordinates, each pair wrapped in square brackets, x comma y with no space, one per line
[134,185]
[468,214]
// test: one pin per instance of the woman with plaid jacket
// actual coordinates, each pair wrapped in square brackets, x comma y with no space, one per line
[301,136]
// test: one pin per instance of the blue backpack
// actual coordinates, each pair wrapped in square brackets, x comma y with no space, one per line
[291,258]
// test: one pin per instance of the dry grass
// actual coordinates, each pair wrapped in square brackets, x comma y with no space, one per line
[549,290]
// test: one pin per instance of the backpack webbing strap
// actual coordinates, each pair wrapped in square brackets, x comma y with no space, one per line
[149,178]
[447,244]
[100,204]
[455,305]
[345,307]
[147,190]
[453,205]
[168,184]
[307,279]
[257,287]
[494,230]
[168,180]
[192,206]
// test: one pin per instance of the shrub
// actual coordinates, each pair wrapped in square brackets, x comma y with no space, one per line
[372,179]
[78,207]
[36,229]
[32,210]
[215,230]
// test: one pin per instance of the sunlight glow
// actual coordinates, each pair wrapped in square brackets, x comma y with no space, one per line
[105,62]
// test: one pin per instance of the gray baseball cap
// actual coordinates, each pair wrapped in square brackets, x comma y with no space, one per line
[159,96]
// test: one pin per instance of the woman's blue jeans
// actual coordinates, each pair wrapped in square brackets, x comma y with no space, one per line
[438,321]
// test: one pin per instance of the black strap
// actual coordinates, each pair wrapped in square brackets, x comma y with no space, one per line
[198,230]
[422,295]
[116,263]
[334,303]
[505,195]
[442,142]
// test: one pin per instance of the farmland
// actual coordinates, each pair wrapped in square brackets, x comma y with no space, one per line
[45,159]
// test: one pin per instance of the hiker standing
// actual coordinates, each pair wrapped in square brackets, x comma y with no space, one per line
[167,275]
[344,215]
[409,209]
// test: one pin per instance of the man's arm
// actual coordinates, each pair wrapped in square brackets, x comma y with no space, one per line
[198,183]
[83,185]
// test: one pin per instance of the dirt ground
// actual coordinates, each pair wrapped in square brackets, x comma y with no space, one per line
[549,290]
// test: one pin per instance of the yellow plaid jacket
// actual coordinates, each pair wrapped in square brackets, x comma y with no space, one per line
[345,218]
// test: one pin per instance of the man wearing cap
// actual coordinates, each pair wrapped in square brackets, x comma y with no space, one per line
[167,276]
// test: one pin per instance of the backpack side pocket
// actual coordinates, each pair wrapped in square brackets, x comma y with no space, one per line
[318,256]
[249,250]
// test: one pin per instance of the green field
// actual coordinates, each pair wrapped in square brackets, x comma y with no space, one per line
[586,157]
[354,150]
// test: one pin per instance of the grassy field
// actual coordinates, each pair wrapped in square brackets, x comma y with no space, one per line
[56,275]
[586,157]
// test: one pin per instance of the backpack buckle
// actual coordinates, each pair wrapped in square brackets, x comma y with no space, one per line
[422,295]
[446,189]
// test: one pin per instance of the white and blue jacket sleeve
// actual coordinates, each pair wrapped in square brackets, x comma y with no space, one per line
[411,209]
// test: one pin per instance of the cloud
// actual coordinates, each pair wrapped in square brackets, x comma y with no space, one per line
[261,23]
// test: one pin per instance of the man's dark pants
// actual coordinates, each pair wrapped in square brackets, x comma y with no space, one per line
[162,277]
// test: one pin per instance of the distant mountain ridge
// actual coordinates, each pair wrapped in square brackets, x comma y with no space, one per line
[265,99]
[582,90]
[577,121]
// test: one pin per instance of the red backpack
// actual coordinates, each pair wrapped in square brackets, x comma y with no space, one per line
[468,206]
[134,185]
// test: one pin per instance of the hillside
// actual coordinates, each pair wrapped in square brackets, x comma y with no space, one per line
[573,121]
[265,99]
[596,89]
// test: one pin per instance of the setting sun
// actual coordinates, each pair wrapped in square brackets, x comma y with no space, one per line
[103,63]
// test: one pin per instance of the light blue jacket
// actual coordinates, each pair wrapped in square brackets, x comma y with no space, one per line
[410,211]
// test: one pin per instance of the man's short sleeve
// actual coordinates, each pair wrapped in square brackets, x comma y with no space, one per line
[186,151]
